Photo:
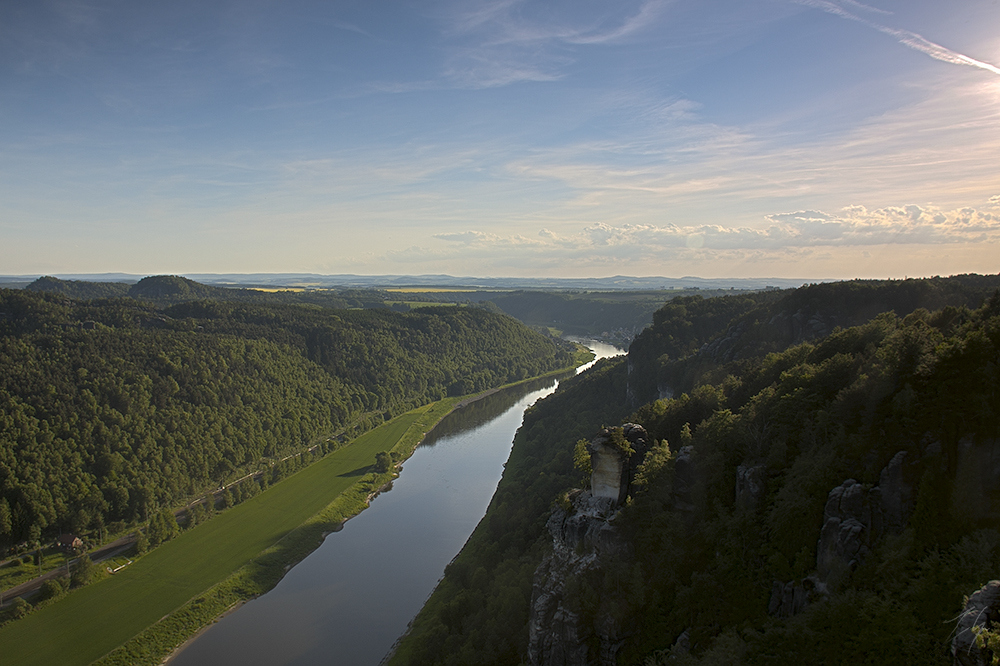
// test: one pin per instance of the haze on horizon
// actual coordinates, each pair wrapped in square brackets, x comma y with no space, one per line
[784,138]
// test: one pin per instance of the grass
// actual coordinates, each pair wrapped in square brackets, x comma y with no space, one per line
[94,620]
[142,613]
[14,572]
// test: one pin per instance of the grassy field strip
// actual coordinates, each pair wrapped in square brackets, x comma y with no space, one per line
[94,620]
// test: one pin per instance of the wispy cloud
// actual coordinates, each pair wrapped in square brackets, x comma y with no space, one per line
[910,39]
[509,41]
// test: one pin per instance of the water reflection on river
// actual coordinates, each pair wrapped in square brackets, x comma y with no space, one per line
[352,598]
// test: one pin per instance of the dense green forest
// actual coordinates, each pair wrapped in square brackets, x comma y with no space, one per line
[894,400]
[615,316]
[168,289]
[113,407]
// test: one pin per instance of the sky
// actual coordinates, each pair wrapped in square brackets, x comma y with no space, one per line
[814,139]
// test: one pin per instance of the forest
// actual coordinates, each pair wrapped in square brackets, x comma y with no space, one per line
[614,316]
[892,390]
[116,405]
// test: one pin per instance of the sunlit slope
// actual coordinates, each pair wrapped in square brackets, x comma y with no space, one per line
[94,620]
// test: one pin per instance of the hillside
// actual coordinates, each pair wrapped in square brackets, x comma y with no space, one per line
[112,408]
[818,496]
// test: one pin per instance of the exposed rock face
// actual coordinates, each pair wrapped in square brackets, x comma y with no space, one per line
[855,518]
[582,537]
[981,610]
[791,598]
[850,528]
[613,467]
[557,634]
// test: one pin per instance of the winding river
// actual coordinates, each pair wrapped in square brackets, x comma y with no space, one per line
[349,600]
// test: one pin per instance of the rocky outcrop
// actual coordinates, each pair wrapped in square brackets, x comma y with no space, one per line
[558,633]
[583,538]
[854,517]
[897,492]
[981,610]
[788,599]
[850,528]
[977,476]
[615,455]
[803,324]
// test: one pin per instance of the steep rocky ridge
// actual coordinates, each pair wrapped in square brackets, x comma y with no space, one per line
[561,632]
[824,503]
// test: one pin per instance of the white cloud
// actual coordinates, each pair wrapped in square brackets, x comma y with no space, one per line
[509,41]
[806,230]
[910,39]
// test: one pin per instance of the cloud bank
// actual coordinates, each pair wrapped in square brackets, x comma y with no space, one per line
[854,226]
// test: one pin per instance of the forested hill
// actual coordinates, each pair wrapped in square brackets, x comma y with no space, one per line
[112,407]
[828,499]
[697,340]
[165,290]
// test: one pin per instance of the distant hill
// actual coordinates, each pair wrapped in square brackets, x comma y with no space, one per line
[79,288]
[348,281]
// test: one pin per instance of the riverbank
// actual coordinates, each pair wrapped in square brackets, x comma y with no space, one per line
[402,451]
[175,591]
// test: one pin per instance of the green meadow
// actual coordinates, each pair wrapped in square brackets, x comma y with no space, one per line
[92,621]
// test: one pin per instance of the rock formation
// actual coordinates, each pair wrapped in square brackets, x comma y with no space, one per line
[615,455]
[855,518]
[981,610]
[583,537]
[558,635]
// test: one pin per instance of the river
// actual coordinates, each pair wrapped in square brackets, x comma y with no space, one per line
[350,599]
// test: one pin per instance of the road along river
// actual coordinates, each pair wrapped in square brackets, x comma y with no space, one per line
[349,600]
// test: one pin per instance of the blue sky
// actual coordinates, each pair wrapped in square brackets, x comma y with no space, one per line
[719,138]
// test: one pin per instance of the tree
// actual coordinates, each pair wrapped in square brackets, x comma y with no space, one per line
[163,527]
[141,543]
[18,609]
[34,539]
[5,521]
[383,462]
[82,571]
[54,587]
[227,498]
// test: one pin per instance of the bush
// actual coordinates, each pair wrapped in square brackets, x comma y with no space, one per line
[141,543]
[82,571]
[18,609]
[53,588]
[383,462]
